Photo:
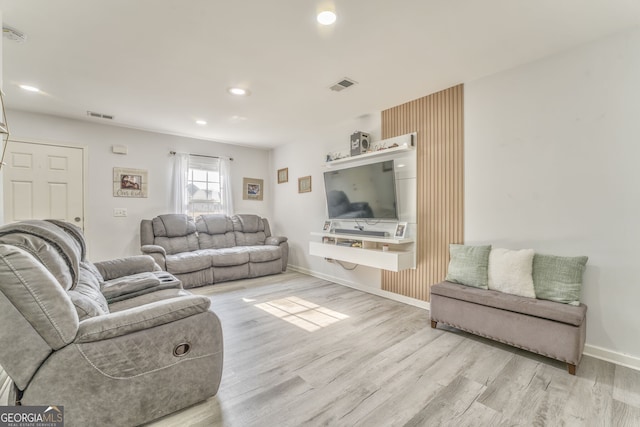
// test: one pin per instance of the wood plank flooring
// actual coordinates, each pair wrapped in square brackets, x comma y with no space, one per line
[301,351]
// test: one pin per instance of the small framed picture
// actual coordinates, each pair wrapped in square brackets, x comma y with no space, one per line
[283,175]
[304,184]
[326,227]
[130,182]
[401,229]
[252,189]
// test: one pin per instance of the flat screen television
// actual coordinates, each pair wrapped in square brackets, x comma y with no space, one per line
[362,192]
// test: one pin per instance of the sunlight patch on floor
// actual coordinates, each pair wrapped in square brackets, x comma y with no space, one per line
[302,313]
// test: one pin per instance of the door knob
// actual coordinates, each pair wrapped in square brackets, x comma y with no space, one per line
[77,219]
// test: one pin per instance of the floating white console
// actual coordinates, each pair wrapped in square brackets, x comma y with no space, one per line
[365,250]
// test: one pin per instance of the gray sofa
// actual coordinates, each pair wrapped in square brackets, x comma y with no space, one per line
[115,343]
[545,327]
[213,248]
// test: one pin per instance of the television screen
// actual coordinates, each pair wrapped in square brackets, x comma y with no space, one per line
[367,191]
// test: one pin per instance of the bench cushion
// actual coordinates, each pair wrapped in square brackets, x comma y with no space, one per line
[564,313]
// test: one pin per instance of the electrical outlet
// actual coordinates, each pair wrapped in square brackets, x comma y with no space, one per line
[120,212]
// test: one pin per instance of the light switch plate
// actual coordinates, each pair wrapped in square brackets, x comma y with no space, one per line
[120,212]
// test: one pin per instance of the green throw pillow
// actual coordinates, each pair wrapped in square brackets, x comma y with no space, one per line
[558,278]
[469,265]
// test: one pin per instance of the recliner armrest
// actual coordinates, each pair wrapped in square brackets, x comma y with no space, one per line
[150,249]
[158,253]
[139,318]
[275,240]
[121,267]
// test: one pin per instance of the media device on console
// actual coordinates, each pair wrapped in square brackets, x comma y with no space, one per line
[360,143]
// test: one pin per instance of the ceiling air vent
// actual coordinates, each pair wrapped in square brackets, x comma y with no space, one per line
[343,84]
[99,115]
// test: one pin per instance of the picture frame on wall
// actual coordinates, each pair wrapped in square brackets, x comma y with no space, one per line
[401,230]
[252,189]
[304,184]
[283,175]
[129,182]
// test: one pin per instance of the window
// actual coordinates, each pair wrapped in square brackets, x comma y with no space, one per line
[204,186]
[201,185]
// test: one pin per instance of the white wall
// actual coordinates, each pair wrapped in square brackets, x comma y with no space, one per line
[109,236]
[552,153]
[298,214]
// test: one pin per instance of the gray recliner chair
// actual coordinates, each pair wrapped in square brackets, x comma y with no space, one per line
[153,349]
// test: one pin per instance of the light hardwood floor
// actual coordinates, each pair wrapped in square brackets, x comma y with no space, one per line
[301,351]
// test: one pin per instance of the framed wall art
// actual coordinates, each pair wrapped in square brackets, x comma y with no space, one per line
[283,175]
[130,182]
[304,184]
[401,230]
[252,189]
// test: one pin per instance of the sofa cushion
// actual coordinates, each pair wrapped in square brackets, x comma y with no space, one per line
[86,296]
[264,253]
[247,223]
[176,233]
[227,257]
[510,271]
[572,315]
[186,262]
[469,265]
[50,245]
[558,278]
[173,225]
[215,231]
[249,230]
[213,224]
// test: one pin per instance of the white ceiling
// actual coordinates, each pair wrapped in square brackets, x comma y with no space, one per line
[162,64]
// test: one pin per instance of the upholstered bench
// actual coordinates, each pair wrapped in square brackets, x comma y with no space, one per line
[518,297]
[548,328]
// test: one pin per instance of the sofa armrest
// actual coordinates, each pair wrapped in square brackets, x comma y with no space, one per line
[158,253]
[121,267]
[275,240]
[151,249]
[139,318]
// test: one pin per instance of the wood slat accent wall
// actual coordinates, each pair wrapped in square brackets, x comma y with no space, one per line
[438,120]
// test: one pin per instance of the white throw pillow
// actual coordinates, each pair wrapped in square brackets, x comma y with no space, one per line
[511,272]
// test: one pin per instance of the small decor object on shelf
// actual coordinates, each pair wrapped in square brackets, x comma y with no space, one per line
[327,226]
[304,184]
[130,182]
[283,175]
[252,189]
[359,143]
[401,229]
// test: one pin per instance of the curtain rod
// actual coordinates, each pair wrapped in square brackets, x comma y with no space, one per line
[173,153]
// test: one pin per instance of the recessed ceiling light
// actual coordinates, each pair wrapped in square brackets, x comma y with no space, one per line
[237,119]
[201,122]
[238,91]
[327,17]
[29,88]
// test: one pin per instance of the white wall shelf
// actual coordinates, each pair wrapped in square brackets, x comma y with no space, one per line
[365,250]
[405,143]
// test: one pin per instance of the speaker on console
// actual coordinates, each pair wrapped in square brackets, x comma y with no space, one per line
[360,143]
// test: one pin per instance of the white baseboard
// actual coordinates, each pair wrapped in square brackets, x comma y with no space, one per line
[375,291]
[621,359]
[607,355]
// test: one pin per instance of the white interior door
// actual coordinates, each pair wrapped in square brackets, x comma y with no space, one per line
[43,181]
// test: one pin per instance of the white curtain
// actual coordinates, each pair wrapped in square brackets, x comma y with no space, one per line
[180,175]
[225,186]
